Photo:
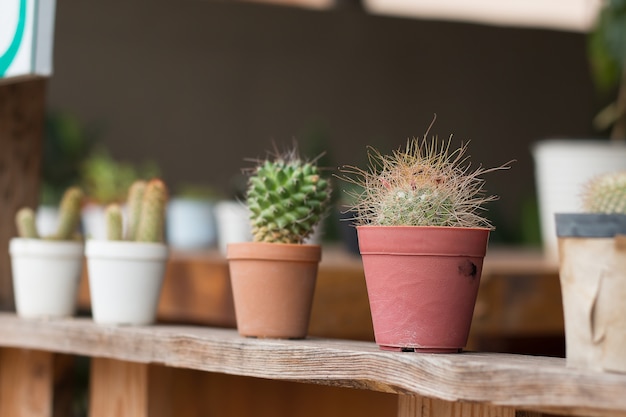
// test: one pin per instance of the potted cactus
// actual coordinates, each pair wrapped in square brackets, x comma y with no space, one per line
[592,253]
[126,270]
[422,239]
[46,270]
[273,277]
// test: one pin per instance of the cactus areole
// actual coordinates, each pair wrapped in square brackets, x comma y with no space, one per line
[287,198]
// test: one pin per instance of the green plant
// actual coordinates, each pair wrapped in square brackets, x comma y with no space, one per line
[607,54]
[69,217]
[147,202]
[424,184]
[605,193]
[287,198]
[107,180]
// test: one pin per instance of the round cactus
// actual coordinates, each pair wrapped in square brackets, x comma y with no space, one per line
[424,184]
[605,193]
[287,198]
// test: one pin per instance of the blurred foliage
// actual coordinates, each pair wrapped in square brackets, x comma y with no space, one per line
[66,145]
[607,55]
[106,180]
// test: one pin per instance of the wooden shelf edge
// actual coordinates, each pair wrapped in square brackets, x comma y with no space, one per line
[522,382]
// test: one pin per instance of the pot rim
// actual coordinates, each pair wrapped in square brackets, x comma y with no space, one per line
[22,246]
[274,251]
[122,249]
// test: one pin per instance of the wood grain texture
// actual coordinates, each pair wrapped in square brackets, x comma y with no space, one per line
[118,388]
[26,383]
[414,406]
[521,382]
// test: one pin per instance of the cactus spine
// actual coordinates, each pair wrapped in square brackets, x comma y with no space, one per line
[114,222]
[424,184]
[69,217]
[25,222]
[287,197]
[605,193]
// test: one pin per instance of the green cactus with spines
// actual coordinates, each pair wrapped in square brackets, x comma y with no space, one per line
[135,197]
[69,214]
[424,184]
[287,198]
[152,219]
[605,193]
[26,224]
[69,218]
[114,222]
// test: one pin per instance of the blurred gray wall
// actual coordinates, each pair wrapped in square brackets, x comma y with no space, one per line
[201,85]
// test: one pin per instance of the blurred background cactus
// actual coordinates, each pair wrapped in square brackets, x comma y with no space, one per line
[424,184]
[68,221]
[287,198]
[605,193]
[107,180]
[147,202]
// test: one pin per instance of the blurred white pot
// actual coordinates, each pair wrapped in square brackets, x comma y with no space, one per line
[46,275]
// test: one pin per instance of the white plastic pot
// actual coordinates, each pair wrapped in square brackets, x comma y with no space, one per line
[233,223]
[46,275]
[561,169]
[125,280]
[190,223]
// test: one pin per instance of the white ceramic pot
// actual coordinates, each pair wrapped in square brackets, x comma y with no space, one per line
[233,223]
[46,275]
[561,169]
[125,280]
[190,223]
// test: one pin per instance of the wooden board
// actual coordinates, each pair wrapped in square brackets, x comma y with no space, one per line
[521,382]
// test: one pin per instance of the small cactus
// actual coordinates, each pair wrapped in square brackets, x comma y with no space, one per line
[153,205]
[605,193]
[424,184]
[146,204]
[69,217]
[69,214]
[135,196]
[25,222]
[287,198]
[114,222]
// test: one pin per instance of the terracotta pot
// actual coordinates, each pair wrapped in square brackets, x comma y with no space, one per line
[422,284]
[273,286]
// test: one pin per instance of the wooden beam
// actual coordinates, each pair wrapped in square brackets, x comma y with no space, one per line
[416,406]
[26,383]
[118,388]
[22,111]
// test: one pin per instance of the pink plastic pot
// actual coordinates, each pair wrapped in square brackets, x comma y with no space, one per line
[422,284]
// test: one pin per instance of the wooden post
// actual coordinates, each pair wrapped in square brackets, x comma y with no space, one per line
[26,383]
[22,112]
[416,406]
[118,388]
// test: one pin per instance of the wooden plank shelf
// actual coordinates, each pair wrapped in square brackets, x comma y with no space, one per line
[505,383]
